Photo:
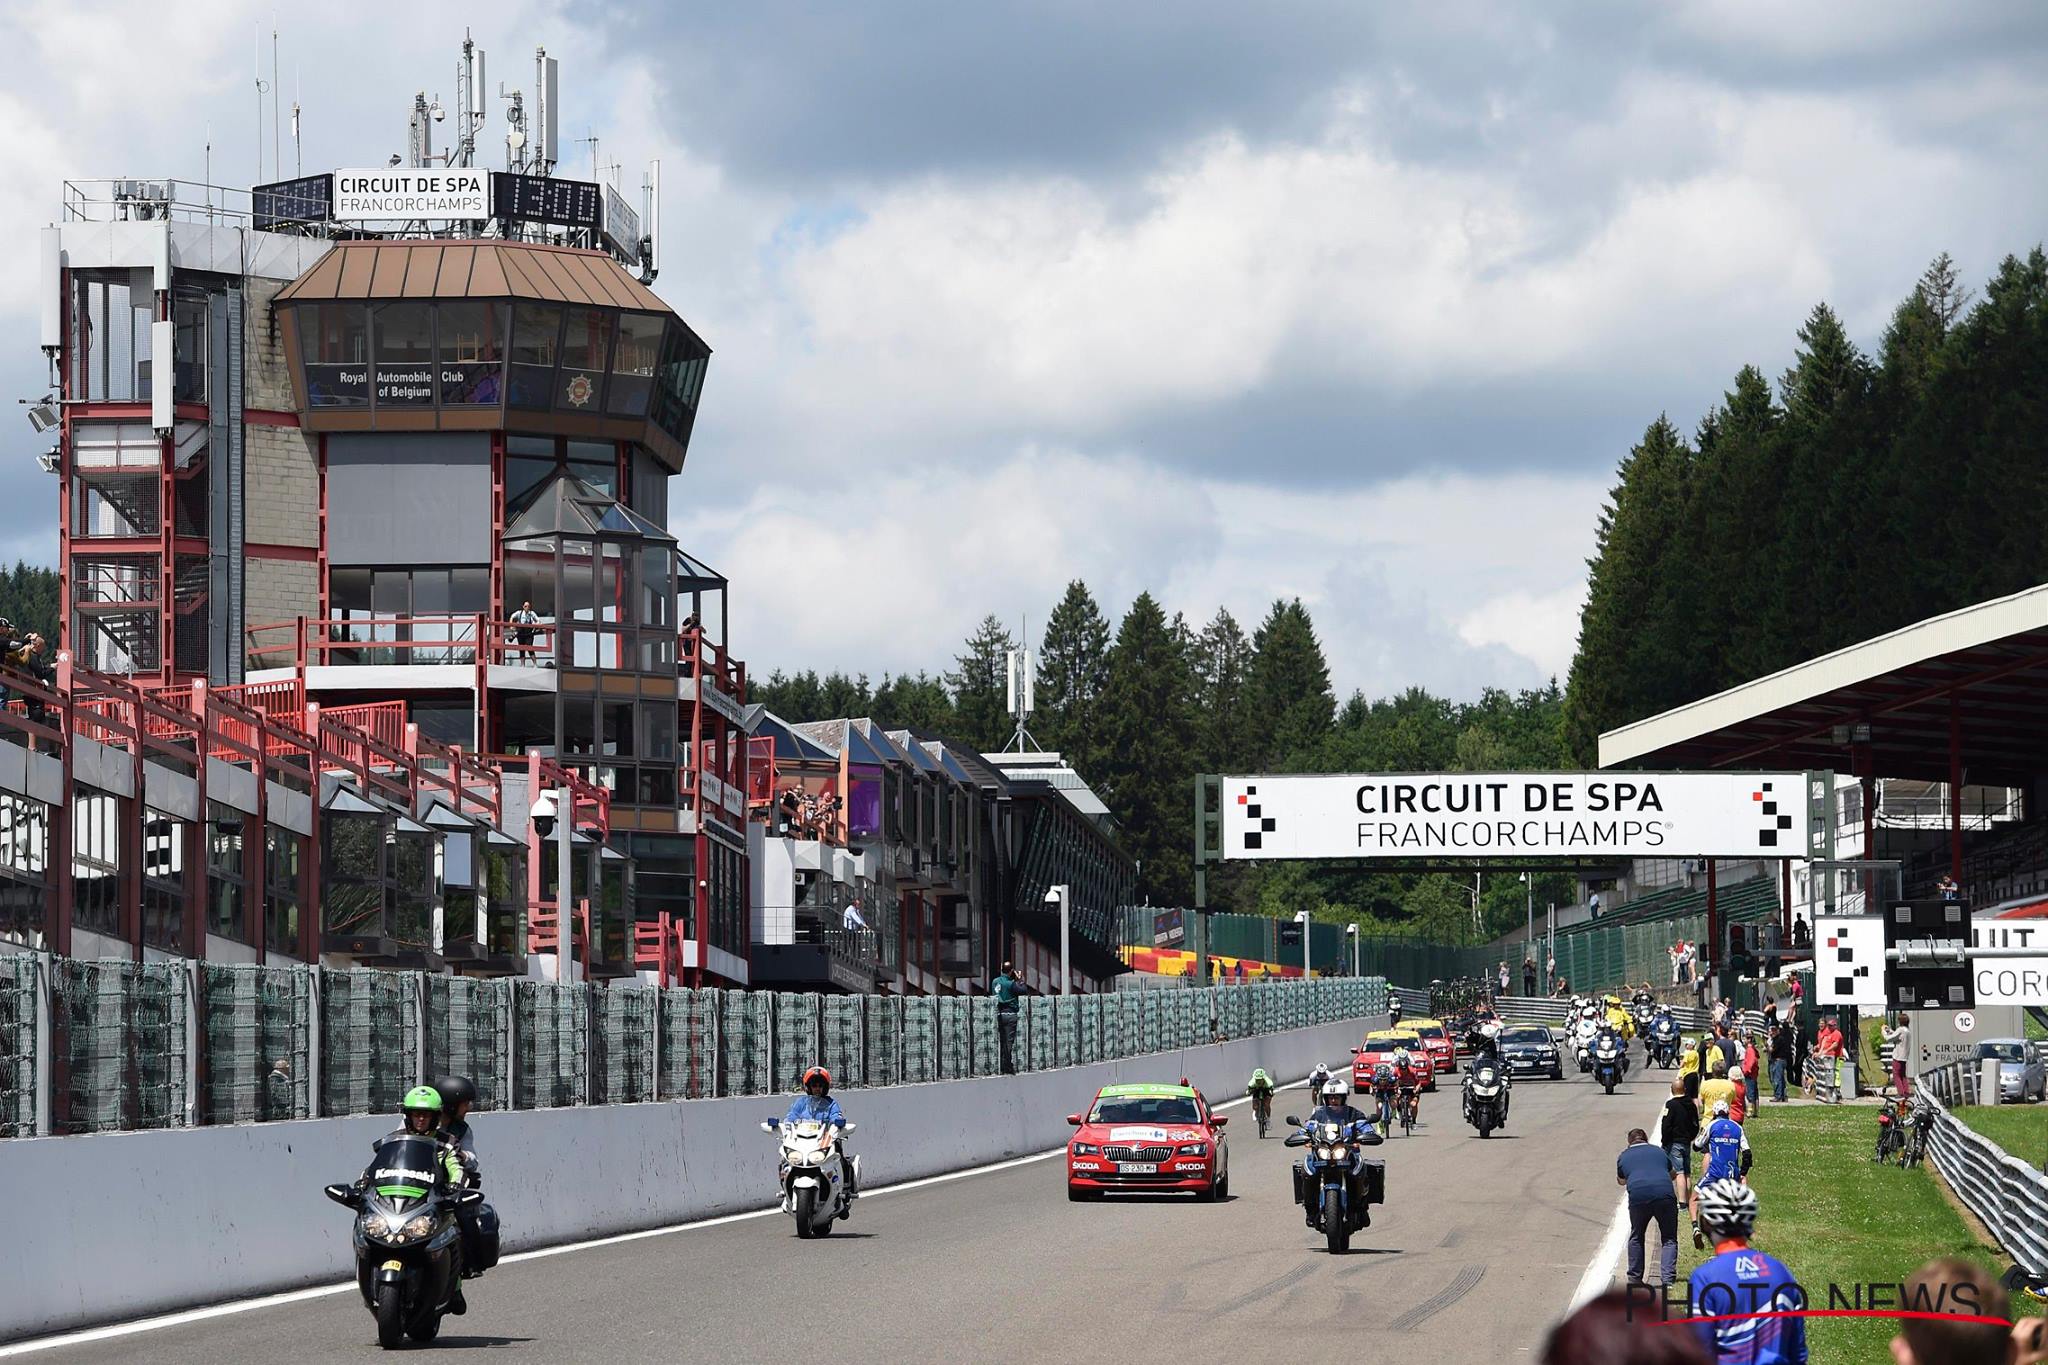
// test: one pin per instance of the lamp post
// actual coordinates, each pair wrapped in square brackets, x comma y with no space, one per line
[554,813]
[1301,918]
[1058,895]
[1351,932]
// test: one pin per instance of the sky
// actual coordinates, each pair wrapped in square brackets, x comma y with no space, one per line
[1360,303]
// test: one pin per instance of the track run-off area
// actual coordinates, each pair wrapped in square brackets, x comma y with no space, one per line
[1477,1252]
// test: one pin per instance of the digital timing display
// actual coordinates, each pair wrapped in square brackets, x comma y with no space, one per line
[545,199]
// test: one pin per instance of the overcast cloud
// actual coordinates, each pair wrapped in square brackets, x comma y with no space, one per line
[1360,303]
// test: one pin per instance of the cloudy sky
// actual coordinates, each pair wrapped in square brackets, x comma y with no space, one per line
[1359,302]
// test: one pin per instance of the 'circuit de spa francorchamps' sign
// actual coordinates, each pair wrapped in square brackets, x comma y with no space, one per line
[408,192]
[1518,815]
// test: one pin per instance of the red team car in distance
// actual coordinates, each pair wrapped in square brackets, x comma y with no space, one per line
[1380,1046]
[1148,1137]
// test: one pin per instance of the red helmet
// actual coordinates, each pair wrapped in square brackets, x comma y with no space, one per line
[818,1073]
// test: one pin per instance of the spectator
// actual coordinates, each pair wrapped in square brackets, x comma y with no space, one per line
[1702,980]
[1752,1070]
[523,622]
[1782,1045]
[1798,989]
[1953,1286]
[1947,889]
[1645,1172]
[1563,989]
[851,919]
[277,1090]
[2030,1341]
[1901,1041]
[1004,989]
[1738,1099]
[1676,952]
[1802,934]
[1613,1330]
[1720,1014]
[1550,966]
[1593,905]
[1828,1048]
[1717,1089]
[1502,977]
[1529,975]
[1680,1126]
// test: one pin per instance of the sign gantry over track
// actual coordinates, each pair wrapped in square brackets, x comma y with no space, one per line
[1424,817]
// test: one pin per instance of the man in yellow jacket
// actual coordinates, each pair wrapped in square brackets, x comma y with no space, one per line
[1618,1019]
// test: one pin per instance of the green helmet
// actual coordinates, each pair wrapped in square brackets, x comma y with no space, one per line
[422,1097]
[1259,1074]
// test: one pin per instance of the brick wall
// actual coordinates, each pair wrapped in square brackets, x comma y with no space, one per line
[266,383]
[282,483]
[278,590]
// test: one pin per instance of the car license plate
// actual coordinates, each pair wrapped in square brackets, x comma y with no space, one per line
[1138,1167]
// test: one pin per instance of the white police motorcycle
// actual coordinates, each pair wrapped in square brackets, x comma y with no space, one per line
[812,1174]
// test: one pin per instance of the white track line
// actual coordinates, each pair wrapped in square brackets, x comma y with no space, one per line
[221,1310]
[1599,1276]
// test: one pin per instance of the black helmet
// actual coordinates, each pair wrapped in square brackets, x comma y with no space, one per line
[456,1090]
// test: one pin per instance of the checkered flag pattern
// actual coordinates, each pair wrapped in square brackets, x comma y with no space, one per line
[1774,823]
[1259,826]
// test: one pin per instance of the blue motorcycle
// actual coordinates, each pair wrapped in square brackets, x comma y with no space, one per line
[1661,1041]
[1610,1060]
[1335,1182]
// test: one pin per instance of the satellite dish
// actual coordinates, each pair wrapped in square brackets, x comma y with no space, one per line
[515,139]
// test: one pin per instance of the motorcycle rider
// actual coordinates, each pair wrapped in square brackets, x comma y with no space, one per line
[1483,1042]
[420,1115]
[1394,1007]
[1618,1019]
[458,1094]
[816,1105]
[1335,1108]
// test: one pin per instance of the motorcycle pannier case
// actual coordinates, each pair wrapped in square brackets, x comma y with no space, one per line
[486,1237]
[1375,1173]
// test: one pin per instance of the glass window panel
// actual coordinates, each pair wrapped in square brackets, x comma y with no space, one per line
[659,727]
[657,786]
[657,587]
[404,341]
[524,475]
[618,729]
[536,343]
[472,353]
[469,590]
[633,363]
[189,316]
[334,344]
[586,350]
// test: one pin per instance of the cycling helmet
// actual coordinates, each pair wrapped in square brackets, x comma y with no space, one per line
[1728,1208]
[1721,1109]
[1259,1076]
[818,1073]
[1401,1057]
[455,1090]
[1335,1091]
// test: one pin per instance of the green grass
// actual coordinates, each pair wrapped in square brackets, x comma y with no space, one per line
[1836,1217]
[2022,1129]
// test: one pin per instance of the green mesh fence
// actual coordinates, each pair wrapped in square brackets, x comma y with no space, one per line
[258,1036]
[743,1043]
[956,1038]
[1234,1010]
[689,1043]
[1152,1028]
[552,1024]
[20,1006]
[123,1028]
[626,1023]
[882,1042]
[1066,1031]
[1034,1034]
[1130,1039]
[369,1040]
[842,1021]
[988,1044]
[468,1034]
[1088,1025]
[920,1039]
[796,1050]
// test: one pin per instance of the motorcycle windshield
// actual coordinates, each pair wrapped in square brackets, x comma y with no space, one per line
[405,1167]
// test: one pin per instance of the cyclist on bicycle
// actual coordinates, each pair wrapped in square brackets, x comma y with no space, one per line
[1408,1080]
[1317,1079]
[1383,1091]
[1260,1088]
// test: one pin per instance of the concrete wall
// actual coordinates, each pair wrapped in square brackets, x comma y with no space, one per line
[122,1225]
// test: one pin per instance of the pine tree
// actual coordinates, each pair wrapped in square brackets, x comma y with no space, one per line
[919,703]
[1289,684]
[1225,729]
[1073,667]
[1148,765]
[980,712]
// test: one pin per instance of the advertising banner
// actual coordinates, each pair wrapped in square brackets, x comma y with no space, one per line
[1514,816]
[399,193]
[2011,980]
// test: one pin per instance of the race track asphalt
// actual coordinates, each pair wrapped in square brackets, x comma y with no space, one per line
[1476,1253]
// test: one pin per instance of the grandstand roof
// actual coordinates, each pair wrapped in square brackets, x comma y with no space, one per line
[1985,666]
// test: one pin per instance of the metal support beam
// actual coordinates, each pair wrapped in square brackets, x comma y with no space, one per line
[1955,789]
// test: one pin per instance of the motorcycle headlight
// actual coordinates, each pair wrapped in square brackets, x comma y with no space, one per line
[419,1228]
[1322,1153]
[1085,1149]
[1194,1149]
[1339,1152]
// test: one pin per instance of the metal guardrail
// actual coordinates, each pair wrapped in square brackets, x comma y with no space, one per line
[2009,1196]
[116,1045]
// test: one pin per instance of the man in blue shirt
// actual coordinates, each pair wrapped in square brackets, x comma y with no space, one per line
[1739,1282]
[1645,1171]
[1727,1149]
[1004,989]
[816,1103]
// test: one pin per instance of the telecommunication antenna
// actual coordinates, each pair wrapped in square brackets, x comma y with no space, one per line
[1020,694]
[547,80]
[650,221]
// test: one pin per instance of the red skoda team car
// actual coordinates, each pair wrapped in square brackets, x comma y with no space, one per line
[1148,1137]
[1437,1039]
[1380,1046]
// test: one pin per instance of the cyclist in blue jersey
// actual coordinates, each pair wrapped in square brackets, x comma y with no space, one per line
[1737,1282]
[1727,1149]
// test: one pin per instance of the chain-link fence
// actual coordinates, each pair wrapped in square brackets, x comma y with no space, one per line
[168,1044]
